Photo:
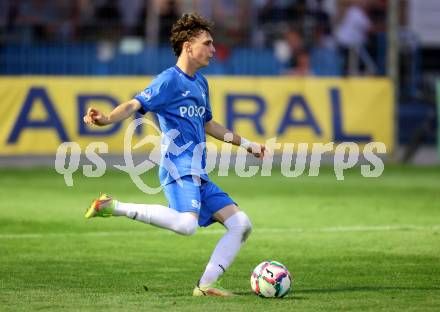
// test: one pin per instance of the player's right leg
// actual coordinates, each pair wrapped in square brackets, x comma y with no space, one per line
[214,290]
[218,206]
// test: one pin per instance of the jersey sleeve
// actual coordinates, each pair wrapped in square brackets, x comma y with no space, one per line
[154,97]
[208,114]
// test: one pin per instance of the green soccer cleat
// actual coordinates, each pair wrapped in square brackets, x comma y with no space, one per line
[214,290]
[101,207]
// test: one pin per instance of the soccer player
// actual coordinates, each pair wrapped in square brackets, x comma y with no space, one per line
[180,98]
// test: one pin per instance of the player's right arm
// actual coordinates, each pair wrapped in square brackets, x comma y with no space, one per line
[121,112]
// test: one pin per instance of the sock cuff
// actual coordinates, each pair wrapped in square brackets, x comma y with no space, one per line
[117,211]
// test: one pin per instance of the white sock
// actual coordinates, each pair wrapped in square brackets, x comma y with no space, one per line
[183,223]
[239,228]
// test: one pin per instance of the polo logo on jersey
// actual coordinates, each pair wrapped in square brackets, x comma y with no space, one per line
[186,93]
[192,111]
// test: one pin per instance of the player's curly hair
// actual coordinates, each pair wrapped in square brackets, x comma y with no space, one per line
[186,28]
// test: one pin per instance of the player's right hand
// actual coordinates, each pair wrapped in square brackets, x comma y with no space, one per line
[95,117]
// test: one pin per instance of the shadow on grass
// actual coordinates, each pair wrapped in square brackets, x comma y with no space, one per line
[364,288]
[290,295]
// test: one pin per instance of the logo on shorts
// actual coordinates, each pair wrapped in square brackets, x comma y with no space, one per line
[195,203]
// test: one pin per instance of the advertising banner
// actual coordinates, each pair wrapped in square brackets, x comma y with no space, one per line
[37,114]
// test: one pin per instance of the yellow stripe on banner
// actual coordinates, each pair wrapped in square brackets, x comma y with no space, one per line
[38,113]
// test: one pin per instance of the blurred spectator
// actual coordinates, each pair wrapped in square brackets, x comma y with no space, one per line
[203,7]
[275,11]
[65,20]
[168,13]
[376,45]
[273,16]
[35,20]
[84,19]
[232,22]
[131,13]
[322,25]
[302,66]
[378,15]
[8,10]
[294,40]
[352,33]
[108,20]
[292,52]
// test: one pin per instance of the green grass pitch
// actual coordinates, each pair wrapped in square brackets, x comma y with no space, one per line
[362,244]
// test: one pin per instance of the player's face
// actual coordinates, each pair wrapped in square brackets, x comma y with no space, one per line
[201,49]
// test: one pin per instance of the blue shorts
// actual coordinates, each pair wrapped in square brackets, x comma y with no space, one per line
[204,198]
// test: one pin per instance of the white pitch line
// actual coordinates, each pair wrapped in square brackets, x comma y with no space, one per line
[340,229]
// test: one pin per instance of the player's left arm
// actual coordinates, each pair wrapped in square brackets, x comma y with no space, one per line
[219,132]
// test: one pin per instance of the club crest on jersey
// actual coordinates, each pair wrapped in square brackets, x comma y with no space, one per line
[192,111]
[146,94]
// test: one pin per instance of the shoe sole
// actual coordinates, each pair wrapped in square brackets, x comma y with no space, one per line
[211,293]
[91,212]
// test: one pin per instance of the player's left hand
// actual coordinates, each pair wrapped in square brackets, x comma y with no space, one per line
[258,150]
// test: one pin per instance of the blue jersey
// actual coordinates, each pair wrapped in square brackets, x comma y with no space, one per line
[181,103]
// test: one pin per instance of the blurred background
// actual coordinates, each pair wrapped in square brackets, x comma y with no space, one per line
[394,39]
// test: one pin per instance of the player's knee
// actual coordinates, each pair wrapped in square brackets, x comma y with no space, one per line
[187,225]
[242,225]
[187,230]
[247,228]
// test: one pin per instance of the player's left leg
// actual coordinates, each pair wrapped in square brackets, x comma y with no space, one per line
[238,228]
[181,220]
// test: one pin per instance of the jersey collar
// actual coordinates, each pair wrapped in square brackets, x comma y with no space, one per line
[183,73]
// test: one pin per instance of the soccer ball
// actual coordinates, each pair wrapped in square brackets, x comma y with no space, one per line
[271,279]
